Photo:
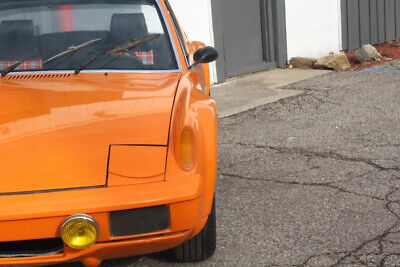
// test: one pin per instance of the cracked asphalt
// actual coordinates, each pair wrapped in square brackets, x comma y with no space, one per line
[312,180]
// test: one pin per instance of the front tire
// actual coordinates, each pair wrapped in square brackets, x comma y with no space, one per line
[200,247]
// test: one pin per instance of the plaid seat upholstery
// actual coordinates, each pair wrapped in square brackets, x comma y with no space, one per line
[147,57]
[26,65]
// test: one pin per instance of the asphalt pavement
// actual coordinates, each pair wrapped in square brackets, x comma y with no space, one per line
[311,180]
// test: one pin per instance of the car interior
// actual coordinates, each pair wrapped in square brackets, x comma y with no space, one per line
[20,40]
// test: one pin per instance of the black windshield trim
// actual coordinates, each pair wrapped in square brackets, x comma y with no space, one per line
[178,31]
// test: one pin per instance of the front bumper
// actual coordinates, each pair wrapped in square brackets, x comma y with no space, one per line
[39,216]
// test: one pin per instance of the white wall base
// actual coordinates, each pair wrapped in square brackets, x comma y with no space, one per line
[313,27]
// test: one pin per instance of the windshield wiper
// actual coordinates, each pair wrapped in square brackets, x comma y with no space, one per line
[70,50]
[124,47]
[11,68]
[73,49]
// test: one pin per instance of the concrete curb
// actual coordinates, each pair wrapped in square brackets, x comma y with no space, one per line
[246,92]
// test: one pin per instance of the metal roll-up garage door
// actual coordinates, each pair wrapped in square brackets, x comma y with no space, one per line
[369,22]
[250,35]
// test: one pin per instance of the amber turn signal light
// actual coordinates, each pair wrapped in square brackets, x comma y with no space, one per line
[187,149]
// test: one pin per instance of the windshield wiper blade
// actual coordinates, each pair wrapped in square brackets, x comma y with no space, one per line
[11,68]
[132,44]
[117,49]
[73,49]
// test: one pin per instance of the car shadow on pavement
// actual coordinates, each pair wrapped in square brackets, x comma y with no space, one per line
[163,257]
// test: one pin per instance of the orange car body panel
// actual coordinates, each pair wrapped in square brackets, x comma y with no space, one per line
[136,164]
[94,143]
[54,133]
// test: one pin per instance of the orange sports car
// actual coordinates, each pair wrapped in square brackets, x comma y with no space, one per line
[108,133]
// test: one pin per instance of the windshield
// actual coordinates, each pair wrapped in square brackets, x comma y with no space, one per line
[62,35]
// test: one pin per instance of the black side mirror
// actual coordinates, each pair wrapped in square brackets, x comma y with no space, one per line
[206,54]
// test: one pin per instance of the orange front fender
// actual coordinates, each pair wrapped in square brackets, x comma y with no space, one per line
[194,108]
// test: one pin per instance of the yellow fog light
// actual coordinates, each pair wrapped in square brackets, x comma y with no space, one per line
[187,149]
[80,231]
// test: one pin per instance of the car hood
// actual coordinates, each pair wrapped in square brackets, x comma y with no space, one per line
[56,130]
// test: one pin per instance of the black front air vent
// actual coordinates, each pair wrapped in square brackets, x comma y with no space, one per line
[31,248]
[139,221]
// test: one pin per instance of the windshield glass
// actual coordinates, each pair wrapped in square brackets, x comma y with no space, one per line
[63,35]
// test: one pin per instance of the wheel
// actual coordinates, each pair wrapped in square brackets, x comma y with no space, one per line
[200,247]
